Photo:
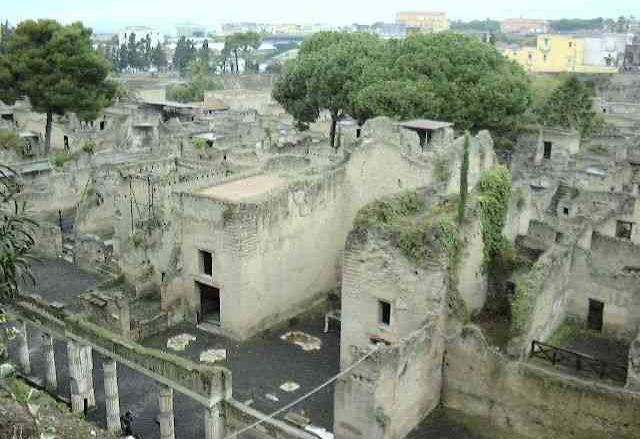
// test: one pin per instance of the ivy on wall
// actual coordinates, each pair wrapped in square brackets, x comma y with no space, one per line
[464,177]
[494,192]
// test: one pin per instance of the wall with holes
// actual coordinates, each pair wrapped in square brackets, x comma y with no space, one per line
[526,400]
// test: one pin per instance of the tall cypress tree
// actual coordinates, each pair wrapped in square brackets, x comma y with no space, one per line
[464,176]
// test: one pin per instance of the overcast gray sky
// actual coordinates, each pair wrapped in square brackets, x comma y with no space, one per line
[104,15]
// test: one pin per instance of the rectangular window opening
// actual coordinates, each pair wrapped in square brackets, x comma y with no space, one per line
[624,229]
[384,312]
[596,312]
[206,263]
[547,150]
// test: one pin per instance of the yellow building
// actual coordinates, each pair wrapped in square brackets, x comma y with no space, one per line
[555,54]
[425,21]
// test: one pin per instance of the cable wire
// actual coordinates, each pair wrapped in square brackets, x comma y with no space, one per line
[305,396]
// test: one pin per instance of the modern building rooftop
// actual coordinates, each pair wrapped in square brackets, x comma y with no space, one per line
[245,189]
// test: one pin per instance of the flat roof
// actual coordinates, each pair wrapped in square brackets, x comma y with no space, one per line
[162,103]
[244,189]
[425,124]
[29,167]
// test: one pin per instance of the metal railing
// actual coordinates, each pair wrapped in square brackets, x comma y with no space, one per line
[579,362]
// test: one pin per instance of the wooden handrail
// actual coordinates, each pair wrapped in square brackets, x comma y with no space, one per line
[581,361]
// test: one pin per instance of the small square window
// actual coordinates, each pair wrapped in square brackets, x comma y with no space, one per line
[206,263]
[384,312]
[624,229]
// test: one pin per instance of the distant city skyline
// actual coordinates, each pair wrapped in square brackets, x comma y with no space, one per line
[111,15]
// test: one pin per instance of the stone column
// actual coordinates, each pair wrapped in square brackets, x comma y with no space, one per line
[80,376]
[23,348]
[167,430]
[50,377]
[111,396]
[214,422]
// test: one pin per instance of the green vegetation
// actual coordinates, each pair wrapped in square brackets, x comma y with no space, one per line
[58,69]
[444,76]
[442,168]
[17,243]
[89,147]
[245,42]
[598,149]
[10,140]
[62,157]
[192,91]
[494,192]
[184,55]
[570,106]
[575,24]
[199,143]
[5,35]
[464,176]
[565,332]
[420,235]
[523,303]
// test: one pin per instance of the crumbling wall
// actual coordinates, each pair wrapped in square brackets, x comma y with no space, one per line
[388,394]
[48,239]
[519,212]
[244,99]
[540,303]
[530,400]
[633,371]
[472,275]
[596,276]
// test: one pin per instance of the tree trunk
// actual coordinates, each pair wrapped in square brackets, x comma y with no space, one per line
[237,66]
[47,135]
[332,133]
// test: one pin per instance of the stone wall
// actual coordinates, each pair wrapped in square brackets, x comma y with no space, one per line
[268,261]
[388,394]
[472,275]
[530,400]
[239,416]
[48,239]
[541,299]
[244,99]
[596,276]
[633,371]
[205,383]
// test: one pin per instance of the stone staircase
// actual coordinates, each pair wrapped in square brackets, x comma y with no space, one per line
[561,192]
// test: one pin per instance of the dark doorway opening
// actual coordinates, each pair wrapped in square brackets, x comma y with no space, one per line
[209,303]
[384,312]
[66,143]
[102,125]
[547,150]
[596,310]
